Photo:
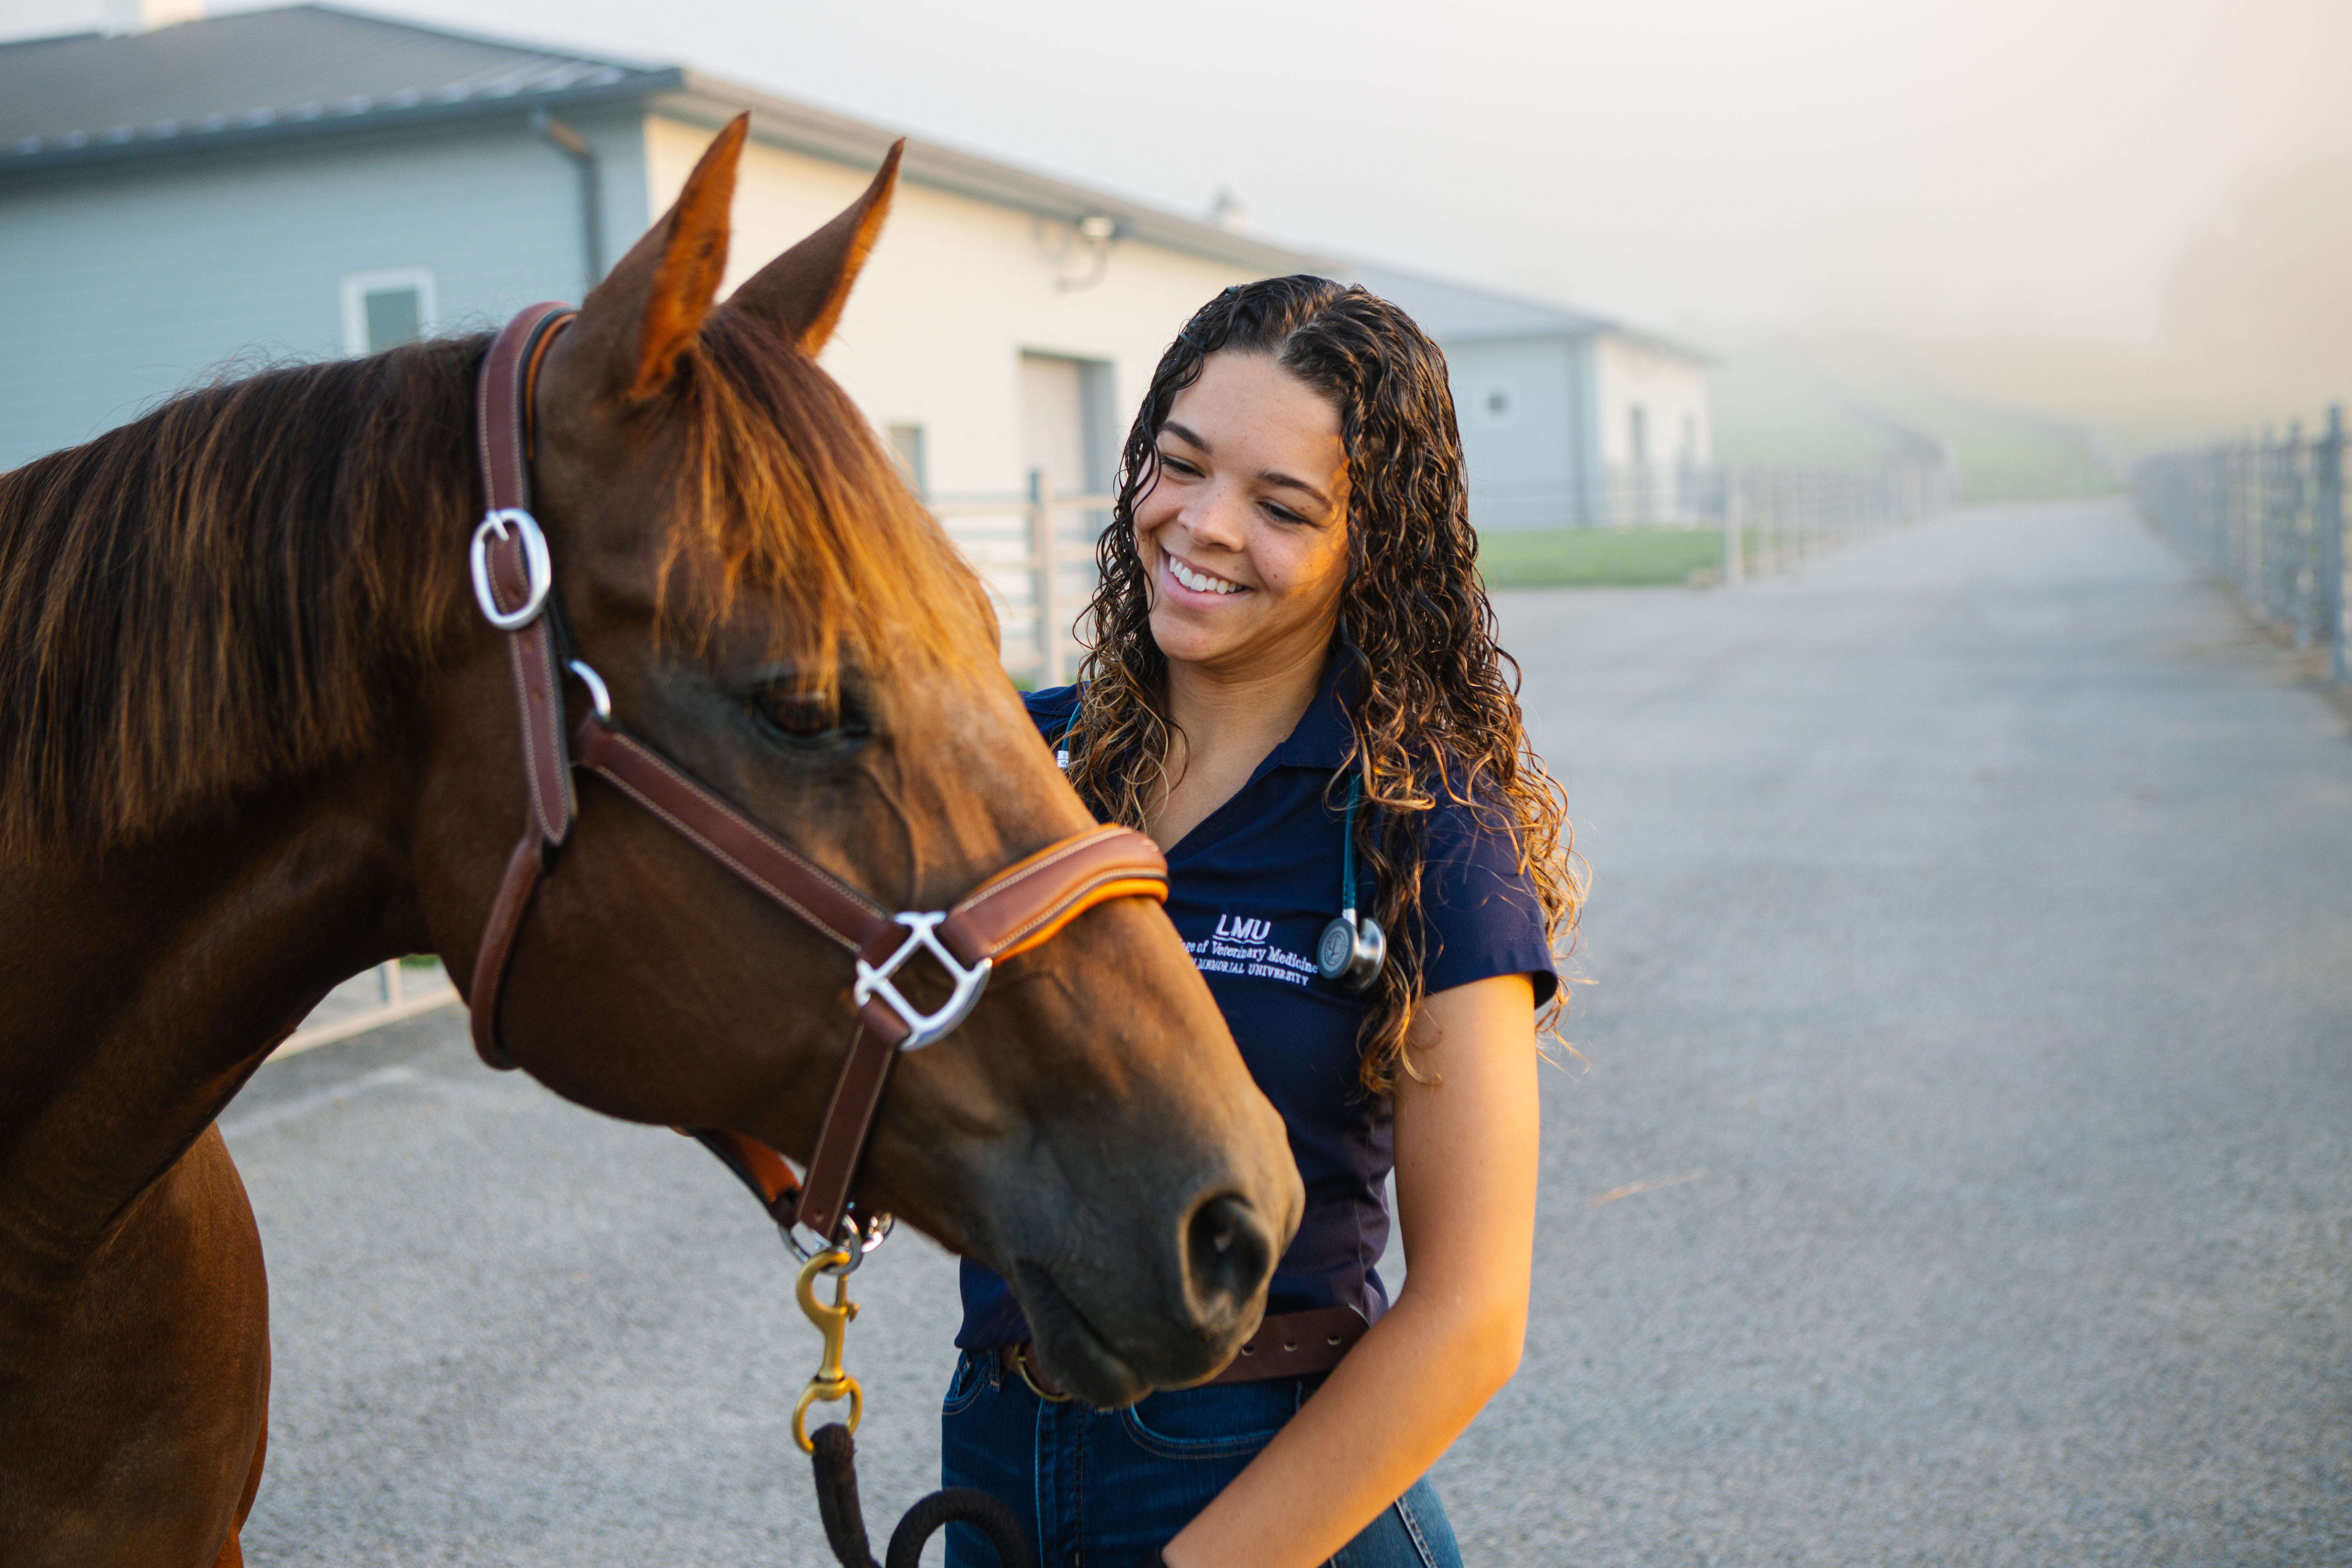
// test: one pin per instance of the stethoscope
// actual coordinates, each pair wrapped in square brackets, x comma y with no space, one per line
[1352,948]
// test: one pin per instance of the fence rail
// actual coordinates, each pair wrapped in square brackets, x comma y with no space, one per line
[1037,551]
[369,1000]
[1037,548]
[2267,516]
[1774,519]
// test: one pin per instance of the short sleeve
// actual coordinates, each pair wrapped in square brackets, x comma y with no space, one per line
[1480,913]
[1053,711]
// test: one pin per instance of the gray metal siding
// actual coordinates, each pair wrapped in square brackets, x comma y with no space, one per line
[1591,507]
[120,285]
[1523,473]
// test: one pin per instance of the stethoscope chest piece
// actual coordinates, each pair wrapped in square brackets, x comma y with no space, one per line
[1351,951]
[1353,947]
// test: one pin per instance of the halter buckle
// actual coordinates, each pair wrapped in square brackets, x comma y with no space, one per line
[922,1027]
[538,566]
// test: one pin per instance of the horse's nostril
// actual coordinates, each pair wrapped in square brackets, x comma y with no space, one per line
[1228,1253]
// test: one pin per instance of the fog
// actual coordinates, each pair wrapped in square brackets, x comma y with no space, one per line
[2157,187]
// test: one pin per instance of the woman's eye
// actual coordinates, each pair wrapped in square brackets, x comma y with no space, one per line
[804,715]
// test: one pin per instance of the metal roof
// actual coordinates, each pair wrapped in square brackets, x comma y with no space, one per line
[823,135]
[258,75]
[307,70]
[1455,312]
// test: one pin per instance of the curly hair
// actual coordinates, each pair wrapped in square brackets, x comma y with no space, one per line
[1435,708]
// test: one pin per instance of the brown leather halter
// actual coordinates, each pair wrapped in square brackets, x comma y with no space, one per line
[1019,908]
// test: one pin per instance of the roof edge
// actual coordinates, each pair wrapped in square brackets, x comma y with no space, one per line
[188,140]
[1569,320]
[839,138]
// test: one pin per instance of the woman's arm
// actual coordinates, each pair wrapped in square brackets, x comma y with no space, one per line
[1465,1174]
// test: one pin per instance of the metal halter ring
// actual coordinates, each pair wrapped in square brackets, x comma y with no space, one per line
[923,1027]
[594,682]
[854,1243]
[539,568]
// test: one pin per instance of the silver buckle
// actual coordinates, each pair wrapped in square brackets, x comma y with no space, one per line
[923,1028]
[857,1242]
[539,570]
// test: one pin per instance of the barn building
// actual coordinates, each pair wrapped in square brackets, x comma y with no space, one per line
[1568,420]
[307,182]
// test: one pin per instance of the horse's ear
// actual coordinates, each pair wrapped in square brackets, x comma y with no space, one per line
[641,317]
[803,290]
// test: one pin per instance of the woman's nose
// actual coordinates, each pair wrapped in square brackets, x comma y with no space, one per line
[1219,518]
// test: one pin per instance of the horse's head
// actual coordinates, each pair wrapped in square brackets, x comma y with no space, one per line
[736,556]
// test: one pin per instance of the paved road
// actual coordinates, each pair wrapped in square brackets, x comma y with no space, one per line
[1967,956]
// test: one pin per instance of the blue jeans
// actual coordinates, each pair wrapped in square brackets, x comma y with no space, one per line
[1107,1488]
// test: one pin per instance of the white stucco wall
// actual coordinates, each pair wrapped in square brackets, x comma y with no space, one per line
[1671,393]
[1629,372]
[955,292]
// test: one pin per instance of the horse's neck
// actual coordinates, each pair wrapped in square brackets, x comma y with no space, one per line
[139,991]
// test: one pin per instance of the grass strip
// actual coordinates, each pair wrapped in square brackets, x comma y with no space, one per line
[1589,557]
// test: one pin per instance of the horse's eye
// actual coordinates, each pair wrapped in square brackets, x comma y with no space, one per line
[804,715]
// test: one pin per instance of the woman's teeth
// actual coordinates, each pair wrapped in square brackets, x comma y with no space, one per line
[1199,582]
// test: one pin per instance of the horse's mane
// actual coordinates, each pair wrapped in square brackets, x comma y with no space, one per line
[236,589]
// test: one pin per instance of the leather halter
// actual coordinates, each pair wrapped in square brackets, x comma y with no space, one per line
[1021,907]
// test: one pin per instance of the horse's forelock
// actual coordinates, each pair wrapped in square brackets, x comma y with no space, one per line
[794,500]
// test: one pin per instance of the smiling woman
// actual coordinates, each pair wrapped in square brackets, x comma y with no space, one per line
[1295,689]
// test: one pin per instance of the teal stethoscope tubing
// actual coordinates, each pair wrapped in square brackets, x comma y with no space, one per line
[1366,947]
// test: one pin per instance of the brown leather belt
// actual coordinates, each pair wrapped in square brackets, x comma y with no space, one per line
[1290,1344]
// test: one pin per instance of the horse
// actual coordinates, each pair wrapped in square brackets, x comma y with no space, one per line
[256,736]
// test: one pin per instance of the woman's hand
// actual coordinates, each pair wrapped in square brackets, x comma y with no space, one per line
[1466,1154]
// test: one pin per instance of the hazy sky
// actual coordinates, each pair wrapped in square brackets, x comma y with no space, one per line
[2012,166]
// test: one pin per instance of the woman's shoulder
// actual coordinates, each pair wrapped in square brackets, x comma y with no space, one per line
[1051,709]
[1481,909]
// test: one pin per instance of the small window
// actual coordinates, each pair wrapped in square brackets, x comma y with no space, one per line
[907,441]
[1499,404]
[385,309]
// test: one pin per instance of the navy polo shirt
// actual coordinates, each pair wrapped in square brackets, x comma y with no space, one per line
[1250,890]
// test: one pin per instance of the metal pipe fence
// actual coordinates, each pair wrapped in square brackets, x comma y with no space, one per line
[369,1000]
[1774,518]
[1036,552]
[2266,515]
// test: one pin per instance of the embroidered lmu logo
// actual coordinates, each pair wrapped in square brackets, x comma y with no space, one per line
[1232,930]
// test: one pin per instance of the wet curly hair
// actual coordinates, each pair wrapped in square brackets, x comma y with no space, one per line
[1435,710]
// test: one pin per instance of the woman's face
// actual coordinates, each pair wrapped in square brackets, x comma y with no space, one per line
[1244,533]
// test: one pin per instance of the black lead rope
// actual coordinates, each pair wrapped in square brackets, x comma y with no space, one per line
[844,1520]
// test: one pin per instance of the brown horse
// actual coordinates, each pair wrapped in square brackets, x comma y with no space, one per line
[254,737]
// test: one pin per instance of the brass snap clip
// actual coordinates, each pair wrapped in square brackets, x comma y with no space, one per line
[831,1384]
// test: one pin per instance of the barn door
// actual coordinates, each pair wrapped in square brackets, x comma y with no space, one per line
[1067,456]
